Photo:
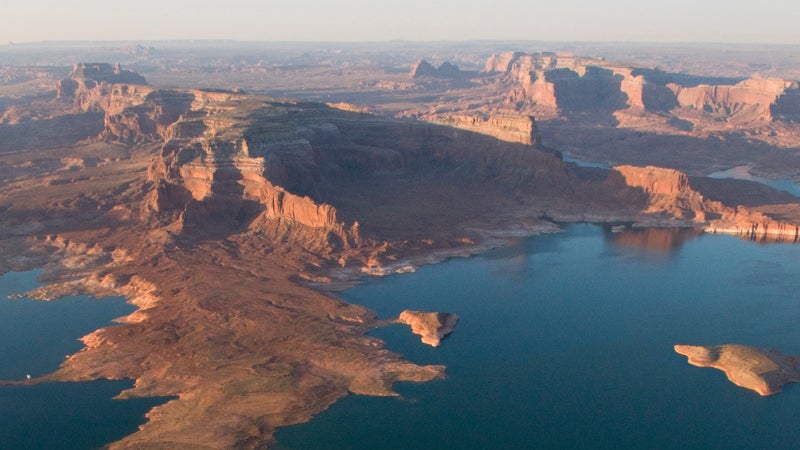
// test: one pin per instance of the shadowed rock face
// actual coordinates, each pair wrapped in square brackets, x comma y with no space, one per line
[763,371]
[423,69]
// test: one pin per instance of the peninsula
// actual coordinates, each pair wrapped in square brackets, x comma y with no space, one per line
[226,217]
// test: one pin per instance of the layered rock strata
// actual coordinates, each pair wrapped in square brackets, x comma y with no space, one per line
[669,193]
[506,127]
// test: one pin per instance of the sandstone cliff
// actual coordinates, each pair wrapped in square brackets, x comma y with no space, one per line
[133,110]
[227,167]
[668,191]
[550,83]
[669,194]
[102,86]
[506,127]
[751,99]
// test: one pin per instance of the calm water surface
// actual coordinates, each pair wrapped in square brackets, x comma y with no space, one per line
[742,173]
[565,341]
[35,336]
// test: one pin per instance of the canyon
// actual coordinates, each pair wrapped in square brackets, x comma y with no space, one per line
[226,217]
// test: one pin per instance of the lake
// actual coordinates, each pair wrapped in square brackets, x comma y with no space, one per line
[743,173]
[566,341]
[35,336]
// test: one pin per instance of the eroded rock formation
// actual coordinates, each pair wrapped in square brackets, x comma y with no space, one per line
[133,110]
[748,100]
[430,326]
[423,69]
[763,371]
[669,193]
[547,83]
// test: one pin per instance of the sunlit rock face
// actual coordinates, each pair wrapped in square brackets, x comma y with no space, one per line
[754,98]
[506,127]
[231,165]
[760,370]
[432,327]
[668,192]
[134,112]
[563,83]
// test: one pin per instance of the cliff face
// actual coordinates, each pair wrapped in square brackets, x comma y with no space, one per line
[500,62]
[133,111]
[102,86]
[787,105]
[669,192]
[755,98]
[548,82]
[565,83]
[506,127]
[219,170]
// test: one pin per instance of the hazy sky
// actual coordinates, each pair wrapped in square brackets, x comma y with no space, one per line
[761,21]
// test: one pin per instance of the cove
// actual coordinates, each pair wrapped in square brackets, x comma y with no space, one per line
[743,173]
[565,341]
[35,336]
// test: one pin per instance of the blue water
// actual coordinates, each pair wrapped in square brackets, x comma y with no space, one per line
[35,336]
[565,341]
[741,173]
[566,157]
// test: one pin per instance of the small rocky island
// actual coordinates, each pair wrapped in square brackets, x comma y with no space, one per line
[763,371]
[431,326]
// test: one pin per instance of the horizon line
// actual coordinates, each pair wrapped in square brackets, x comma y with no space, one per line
[392,41]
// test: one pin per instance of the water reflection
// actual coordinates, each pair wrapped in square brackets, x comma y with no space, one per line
[655,241]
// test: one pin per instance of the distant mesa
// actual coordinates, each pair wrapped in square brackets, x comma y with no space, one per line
[557,83]
[763,371]
[134,112]
[423,69]
[431,326]
[88,75]
[106,72]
